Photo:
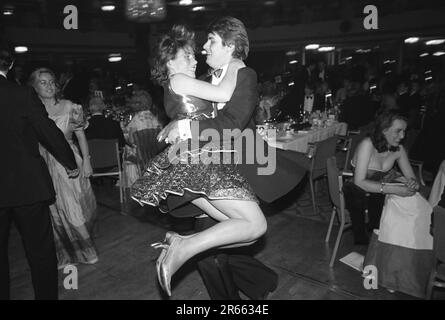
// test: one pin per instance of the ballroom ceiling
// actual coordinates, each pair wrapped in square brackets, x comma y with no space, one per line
[255,13]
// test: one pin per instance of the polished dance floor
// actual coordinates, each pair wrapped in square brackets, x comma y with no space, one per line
[294,247]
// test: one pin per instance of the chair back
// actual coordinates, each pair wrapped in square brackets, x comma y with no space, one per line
[323,150]
[147,145]
[439,233]
[356,137]
[335,181]
[104,153]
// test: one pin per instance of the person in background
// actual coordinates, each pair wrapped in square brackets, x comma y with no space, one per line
[358,109]
[142,118]
[268,101]
[341,94]
[312,101]
[101,127]
[25,186]
[402,251]
[74,211]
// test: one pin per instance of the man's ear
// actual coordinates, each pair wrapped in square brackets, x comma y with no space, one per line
[230,47]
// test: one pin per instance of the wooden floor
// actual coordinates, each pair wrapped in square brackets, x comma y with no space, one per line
[294,247]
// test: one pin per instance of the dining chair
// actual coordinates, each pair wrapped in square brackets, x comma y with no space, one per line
[318,153]
[343,150]
[106,161]
[437,277]
[335,183]
[355,138]
[147,146]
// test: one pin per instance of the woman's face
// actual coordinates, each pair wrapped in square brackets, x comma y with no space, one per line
[395,134]
[45,85]
[184,62]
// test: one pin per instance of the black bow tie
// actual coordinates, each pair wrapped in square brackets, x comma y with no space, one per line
[309,97]
[217,73]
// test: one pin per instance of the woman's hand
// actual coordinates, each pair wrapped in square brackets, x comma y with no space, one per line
[87,170]
[413,184]
[402,190]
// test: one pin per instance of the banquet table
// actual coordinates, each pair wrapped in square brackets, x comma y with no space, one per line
[438,186]
[299,141]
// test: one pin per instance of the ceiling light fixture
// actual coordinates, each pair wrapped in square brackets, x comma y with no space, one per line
[411,40]
[434,42]
[438,53]
[326,49]
[185,2]
[425,54]
[114,57]
[108,7]
[21,49]
[293,61]
[199,8]
[312,46]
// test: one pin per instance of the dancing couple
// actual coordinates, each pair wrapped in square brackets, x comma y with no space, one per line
[225,192]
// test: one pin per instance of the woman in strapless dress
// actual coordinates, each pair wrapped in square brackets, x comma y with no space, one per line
[400,255]
[226,195]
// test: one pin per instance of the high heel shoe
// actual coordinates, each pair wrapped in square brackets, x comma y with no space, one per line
[164,246]
[170,264]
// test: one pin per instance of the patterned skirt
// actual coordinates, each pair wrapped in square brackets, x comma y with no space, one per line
[204,176]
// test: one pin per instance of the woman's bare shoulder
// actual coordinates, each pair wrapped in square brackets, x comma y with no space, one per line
[366,143]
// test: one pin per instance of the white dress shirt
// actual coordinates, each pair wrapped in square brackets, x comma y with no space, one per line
[308,102]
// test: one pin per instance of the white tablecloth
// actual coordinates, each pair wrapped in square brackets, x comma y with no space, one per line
[299,141]
[439,184]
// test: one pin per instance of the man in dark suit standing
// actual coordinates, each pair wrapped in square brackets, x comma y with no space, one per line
[100,127]
[26,188]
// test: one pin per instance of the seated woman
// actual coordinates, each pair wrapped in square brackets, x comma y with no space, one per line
[403,252]
[142,118]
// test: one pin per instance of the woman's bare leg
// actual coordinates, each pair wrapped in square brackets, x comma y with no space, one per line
[241,223]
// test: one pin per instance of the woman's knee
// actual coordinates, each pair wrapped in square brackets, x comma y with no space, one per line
[257,223]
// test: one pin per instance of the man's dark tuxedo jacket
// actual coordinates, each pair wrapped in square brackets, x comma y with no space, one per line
[238,114]
[23,124]
[319,103]
[100,127]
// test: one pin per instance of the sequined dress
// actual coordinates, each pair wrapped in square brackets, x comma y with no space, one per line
[185,173]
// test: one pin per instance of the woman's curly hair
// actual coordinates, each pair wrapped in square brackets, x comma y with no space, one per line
[384,121]
[168,46]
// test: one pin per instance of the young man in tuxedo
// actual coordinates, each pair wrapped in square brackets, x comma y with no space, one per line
[26,188]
